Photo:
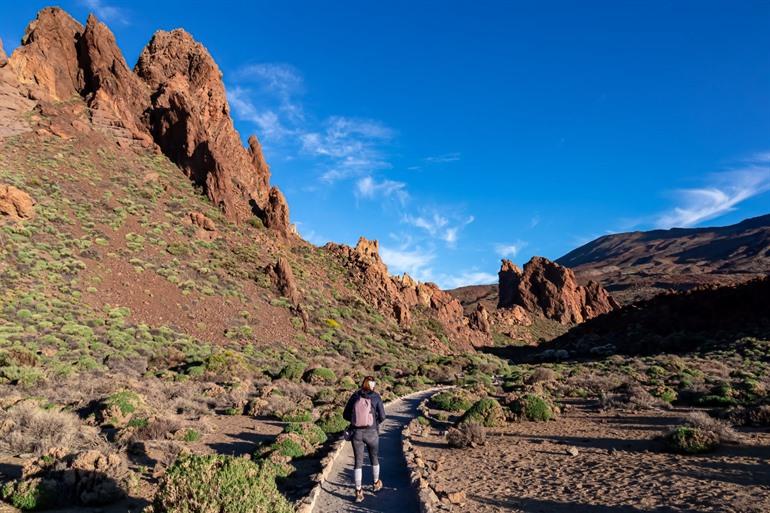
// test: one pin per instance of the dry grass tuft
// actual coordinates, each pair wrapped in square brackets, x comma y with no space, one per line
[27,428]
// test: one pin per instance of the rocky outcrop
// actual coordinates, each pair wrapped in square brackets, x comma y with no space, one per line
[109,86]
[46,63]
[397,296]
[190,120]
[479,319]
[15,204]
[550,290]
[174,98]
[282,277]
[3,57]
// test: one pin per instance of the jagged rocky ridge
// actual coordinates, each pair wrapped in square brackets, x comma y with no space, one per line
[174,98]
[397,296]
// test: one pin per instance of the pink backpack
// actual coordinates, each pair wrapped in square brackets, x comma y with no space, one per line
[362,412]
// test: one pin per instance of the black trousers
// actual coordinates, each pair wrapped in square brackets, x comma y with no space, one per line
[369,438]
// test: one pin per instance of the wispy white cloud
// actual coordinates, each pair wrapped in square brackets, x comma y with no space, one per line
[282,83]
[438,225]
[534,221]
[368,187]
[268,122]
[443,159]
[722,193]
[107,12]
[509,250]
[350,147]
[416,262]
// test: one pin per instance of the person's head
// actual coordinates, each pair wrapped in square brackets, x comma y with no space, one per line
[368,384]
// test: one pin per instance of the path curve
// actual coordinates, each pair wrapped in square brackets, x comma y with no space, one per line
[397,496]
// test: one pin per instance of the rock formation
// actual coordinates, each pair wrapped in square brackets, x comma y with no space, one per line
[282,277]
[190,120]
[479,319]
[15,204]
[47,62]
[174,98]
[550,290]
[397,296]
[3,57]
[109,86]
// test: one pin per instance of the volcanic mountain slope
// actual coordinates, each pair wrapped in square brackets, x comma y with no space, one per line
[139,239]
[639,265]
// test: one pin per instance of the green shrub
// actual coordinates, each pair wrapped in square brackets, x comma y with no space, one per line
[127,401]
[298,415]
[451,400]
[293,371]
[332,423]
[486,411]
[533,407]
[27,495]
[289,447]
[692,440]
[191,435]
[219,484]
[310,432]
[320,375]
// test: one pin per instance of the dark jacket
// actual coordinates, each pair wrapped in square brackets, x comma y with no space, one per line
[378,409]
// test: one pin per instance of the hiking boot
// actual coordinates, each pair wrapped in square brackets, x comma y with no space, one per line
[360,495]
[377,486]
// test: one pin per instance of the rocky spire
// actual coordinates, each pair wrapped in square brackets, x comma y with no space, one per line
[46,63]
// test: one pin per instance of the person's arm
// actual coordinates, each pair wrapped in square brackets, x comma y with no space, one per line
[347,413]
[380,410]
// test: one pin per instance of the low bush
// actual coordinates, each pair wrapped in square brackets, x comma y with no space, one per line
[219,484]
[486,411]
[451,400]
[27,428]
[310,432]
[469,434]
[297,416]
[292,371]
[332,423]
[320,375]
[700,434]
[691,440]
[533,407]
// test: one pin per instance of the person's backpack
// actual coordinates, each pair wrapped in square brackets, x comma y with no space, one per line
[362,412]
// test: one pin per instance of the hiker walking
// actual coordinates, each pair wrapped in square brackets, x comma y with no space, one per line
[365,412]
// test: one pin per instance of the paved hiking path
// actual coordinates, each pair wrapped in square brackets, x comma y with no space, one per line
[397,496]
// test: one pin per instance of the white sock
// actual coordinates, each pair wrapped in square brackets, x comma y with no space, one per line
[376,472]
[358,475]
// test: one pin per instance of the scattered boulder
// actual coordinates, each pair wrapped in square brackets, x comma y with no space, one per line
[15,204]
[205,229]
[573,451]
[550,290]
[282,277]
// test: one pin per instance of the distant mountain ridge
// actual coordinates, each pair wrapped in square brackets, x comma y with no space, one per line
[638,265]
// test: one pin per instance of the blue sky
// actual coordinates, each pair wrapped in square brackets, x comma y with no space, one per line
[457,133]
